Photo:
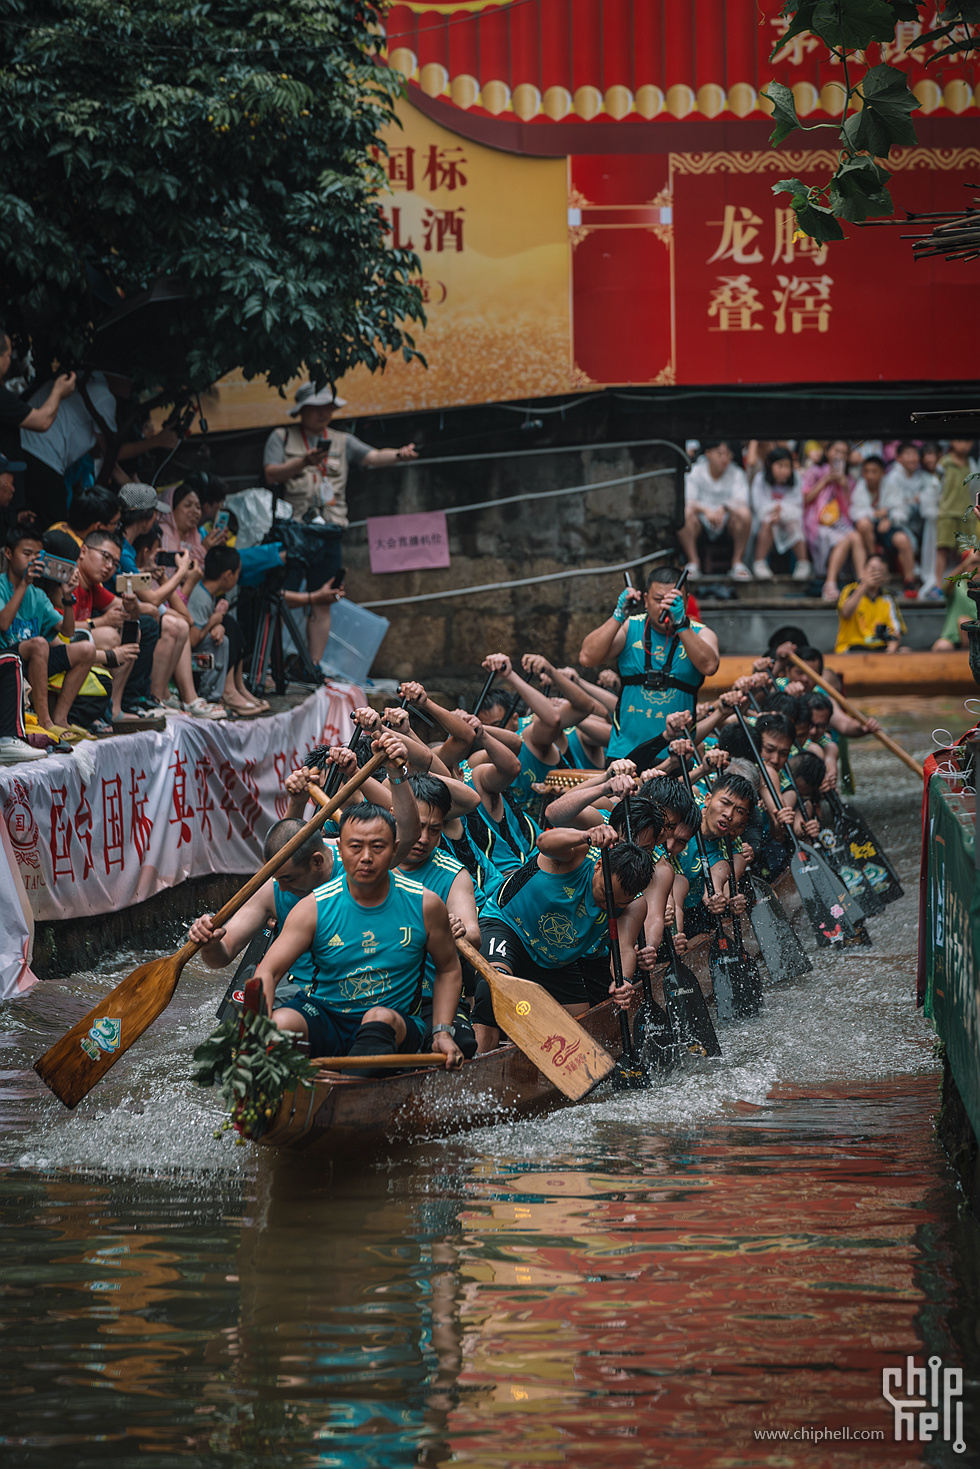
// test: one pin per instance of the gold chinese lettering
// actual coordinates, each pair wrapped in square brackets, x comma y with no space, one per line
[734,303]
[737,234]
[805,301]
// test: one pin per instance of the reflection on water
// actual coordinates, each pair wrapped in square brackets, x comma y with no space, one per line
[648,1280]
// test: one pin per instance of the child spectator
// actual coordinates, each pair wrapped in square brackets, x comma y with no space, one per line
[955,501]
[216,633]
[868,620]
[716,497]
[904,504]
[830,533]
[876,527]
[777,508]
[29,625]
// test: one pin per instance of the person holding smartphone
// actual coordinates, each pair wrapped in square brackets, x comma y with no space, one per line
[101,613]
[308,464]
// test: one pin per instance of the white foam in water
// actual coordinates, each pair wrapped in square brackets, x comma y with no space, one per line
[852,1021]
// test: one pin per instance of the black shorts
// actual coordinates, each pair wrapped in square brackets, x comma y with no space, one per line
[58,658]
[332,1032]
[499,943]
[886,540]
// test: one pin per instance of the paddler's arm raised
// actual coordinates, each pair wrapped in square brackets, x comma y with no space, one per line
[564,848]
[399,794]
[296,938]
[447,985]
[608,641]
[222,944]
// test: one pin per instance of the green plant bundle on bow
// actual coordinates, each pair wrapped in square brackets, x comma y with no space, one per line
[253,1064]
[877,102]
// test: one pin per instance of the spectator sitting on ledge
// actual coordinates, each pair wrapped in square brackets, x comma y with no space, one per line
[868,619]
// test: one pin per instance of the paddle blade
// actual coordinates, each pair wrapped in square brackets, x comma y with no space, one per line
[783,954]
[556,1043]
[721,962]
[688,1011]
[654,1039]
[835,917]
[80,1059]
[866,853]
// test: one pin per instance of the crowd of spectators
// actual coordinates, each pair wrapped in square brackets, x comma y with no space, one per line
[820,511]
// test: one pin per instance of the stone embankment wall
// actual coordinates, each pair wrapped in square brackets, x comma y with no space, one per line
[533,537]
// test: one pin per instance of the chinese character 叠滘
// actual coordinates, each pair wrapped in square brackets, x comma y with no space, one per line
[738,230]
[734,302]
[805,300]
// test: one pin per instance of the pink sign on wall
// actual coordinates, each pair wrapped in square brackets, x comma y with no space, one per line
[408,542]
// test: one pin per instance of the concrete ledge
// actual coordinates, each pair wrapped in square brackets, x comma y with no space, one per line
[749,621]
[72,944]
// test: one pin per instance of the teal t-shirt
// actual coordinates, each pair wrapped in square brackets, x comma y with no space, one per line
[35,617]
[437,874]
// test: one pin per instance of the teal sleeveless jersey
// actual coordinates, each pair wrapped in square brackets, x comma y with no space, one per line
[438,875]
[532,770]
[369,956]
[642,713]
[514,838]
[555,914]
[302,970]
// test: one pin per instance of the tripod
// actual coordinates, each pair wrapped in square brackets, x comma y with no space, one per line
[273,615]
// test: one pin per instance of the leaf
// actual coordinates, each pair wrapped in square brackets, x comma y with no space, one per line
[783,111]
[813,219]
[885,117]
[858,191]
[853,24]
[803,21]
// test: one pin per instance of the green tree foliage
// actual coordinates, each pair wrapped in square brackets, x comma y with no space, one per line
[224,143]
[878,103]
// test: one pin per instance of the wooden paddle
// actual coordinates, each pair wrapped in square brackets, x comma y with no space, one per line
[828,927]
[391,1061]
[686,1005]
[782,953]
[721,959]
[630,1073]
[864,849]
[73,1065]
[827,878]
[546,1033]
[862,719]
[749,993]
[653,1037]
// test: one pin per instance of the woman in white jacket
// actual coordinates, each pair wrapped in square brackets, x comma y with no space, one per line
[777,513]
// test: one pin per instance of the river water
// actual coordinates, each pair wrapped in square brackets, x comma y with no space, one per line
[656,1278]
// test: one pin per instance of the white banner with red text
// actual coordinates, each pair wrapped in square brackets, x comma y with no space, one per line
[196,799]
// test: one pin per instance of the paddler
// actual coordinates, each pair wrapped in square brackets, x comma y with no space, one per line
[663,657]
[305,871]
[547,922]
[368,931]
[441,873]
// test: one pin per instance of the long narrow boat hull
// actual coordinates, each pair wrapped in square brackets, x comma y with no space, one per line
[345,1114]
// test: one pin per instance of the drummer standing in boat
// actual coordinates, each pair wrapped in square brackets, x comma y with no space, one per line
[662,656]
[307,464]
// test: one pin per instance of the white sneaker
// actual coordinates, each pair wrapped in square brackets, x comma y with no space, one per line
[17,752]
[802,571]
[693,571]
[740,572]
[761,571]
[200,709]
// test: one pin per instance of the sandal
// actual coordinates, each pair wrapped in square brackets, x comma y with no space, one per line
[242,709]
[200,709]
[830,592]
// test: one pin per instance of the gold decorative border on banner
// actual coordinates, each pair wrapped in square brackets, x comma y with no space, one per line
[787,161]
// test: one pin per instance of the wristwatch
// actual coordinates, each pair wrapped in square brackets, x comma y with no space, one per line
[449,1030]
[400,778]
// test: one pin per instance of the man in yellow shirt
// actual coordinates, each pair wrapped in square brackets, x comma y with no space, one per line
[868,619]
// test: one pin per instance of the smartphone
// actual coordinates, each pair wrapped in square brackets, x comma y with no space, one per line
[130,630]
[338,577]
[202,661]
[55,568]
[166,558]
[135,583]
[221,520]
